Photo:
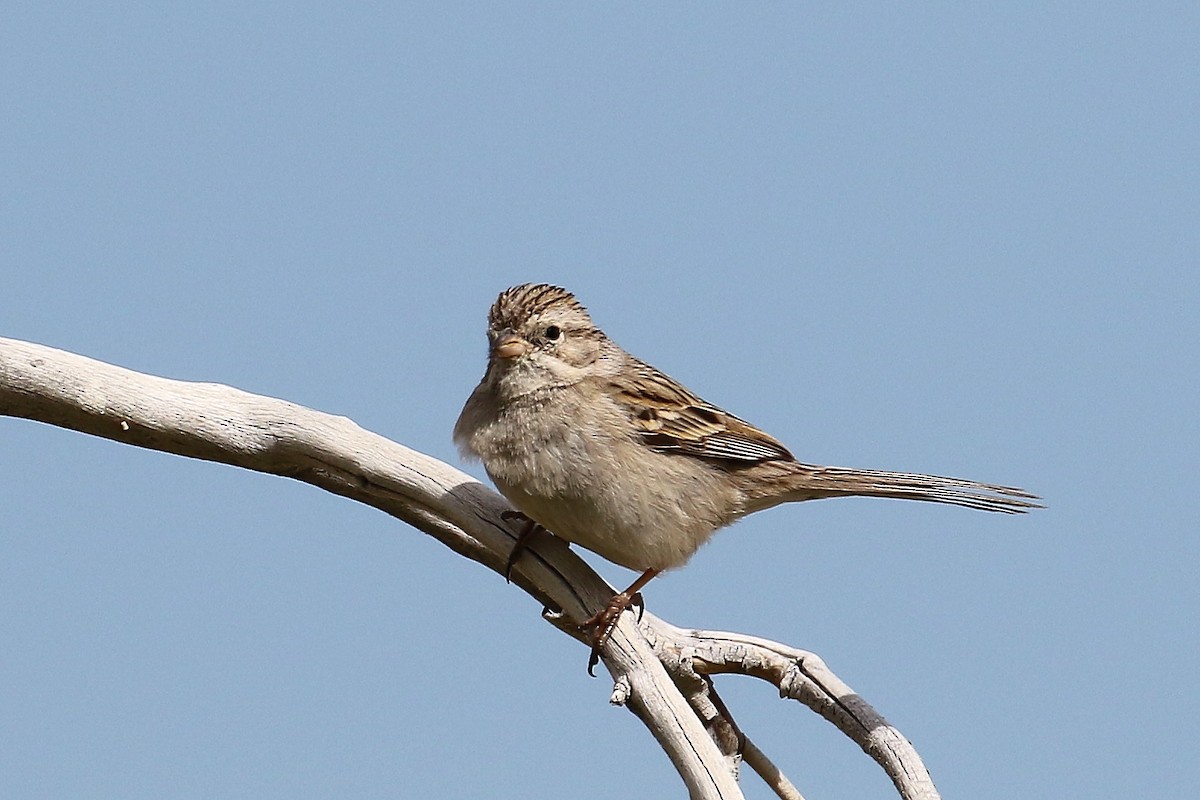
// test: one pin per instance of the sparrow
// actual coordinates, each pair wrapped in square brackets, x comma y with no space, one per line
[607,452]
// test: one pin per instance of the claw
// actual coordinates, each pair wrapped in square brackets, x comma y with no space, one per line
[601,623]
[529,530]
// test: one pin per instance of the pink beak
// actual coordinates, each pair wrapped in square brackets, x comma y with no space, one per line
[509,345]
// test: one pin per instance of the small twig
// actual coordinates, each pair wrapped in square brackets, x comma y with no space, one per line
[771,775]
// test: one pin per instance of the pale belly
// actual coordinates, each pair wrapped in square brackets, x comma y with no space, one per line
[639,509]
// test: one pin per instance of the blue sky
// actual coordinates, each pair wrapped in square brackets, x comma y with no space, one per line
[936,237]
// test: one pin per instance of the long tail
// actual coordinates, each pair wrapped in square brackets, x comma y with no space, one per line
[810,482]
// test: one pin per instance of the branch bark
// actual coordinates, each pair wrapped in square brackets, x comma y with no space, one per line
[660,672]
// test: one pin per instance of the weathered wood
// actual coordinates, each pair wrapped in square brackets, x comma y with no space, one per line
[659,671]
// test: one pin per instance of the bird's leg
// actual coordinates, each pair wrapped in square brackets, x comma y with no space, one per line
[529,530]
[603,621]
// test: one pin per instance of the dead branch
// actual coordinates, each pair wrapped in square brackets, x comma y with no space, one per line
[660,672]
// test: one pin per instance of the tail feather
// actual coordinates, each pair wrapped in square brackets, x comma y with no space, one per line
[811,482]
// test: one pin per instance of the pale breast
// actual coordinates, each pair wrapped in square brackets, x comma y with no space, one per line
[603,491]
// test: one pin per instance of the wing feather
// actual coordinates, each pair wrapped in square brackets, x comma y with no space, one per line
[670,418]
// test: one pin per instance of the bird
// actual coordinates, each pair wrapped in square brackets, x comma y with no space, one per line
[609,453]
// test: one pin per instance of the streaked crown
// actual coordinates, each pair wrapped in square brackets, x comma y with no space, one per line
[516,306]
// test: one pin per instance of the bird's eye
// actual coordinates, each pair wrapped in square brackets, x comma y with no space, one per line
[553,332]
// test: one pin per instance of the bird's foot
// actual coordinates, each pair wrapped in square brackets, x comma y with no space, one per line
[529,530]
[601,623]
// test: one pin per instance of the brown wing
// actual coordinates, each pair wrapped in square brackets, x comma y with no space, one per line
[670,418]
